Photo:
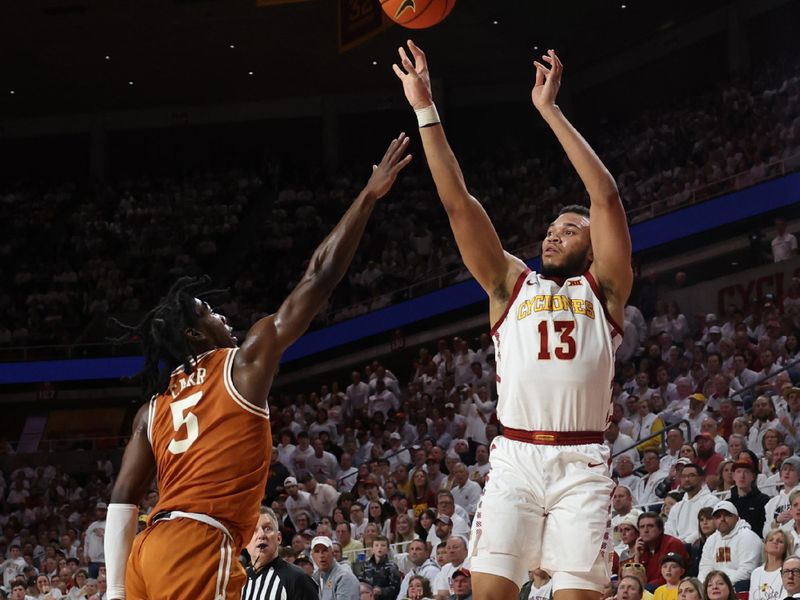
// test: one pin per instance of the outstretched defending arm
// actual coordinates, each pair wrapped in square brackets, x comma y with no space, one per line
[611,240]
[480,247]
[266,341]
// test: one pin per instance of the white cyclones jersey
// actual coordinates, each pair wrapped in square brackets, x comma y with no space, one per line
[555,349]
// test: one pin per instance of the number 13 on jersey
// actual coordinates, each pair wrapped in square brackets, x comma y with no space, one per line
[566,349]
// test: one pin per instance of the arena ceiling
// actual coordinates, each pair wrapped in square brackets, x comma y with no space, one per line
[75,56]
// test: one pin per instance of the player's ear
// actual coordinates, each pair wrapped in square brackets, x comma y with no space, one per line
[280,538]
[194,335]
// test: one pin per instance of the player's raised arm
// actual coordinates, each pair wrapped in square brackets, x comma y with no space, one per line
[611,241]
[136,472]
[269,337]
[478,243]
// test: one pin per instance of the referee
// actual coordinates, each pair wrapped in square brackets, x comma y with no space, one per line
[269,577]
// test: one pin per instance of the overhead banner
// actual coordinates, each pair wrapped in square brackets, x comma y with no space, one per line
[738,289]
[276,2]
[359,20]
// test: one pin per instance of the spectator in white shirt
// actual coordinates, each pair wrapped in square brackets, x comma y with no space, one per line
[682,520]
[323,423]
[778,510]
[302,452]
[382,400]
[784,244]
[463,358]
[763,419]
[733,549]
[466,492]
[357,394]
[322,465]
[93,549]
[617,442]
[297,501]
[478,471]
[348,474]
[634,315]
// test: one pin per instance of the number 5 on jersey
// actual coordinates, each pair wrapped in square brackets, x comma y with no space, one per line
[567,349]
[189,419]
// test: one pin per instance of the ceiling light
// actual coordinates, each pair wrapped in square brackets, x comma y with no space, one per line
[108,57]
[374,62]
[250,73]
[623,6]
[12,92]
[232,46]
[536,47]
[130,83]
[495,22]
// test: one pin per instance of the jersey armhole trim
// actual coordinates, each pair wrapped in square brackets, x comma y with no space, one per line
[514,294]
[151,415]
[234,393]
[602,297]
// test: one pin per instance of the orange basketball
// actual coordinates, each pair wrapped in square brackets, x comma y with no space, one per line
[417,14]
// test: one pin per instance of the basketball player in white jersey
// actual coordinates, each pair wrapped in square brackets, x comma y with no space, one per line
[546,501]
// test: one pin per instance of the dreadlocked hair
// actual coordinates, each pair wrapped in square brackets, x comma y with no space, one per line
[164,344]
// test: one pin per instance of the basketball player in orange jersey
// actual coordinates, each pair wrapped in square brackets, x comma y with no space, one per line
[205,432]
[546,501]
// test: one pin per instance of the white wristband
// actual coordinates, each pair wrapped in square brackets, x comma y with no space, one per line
[427,116]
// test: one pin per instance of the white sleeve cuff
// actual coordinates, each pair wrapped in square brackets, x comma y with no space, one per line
[120,531]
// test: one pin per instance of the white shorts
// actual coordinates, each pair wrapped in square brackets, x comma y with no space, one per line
[545,507]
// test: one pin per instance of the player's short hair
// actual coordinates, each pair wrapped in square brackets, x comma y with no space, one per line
[578,209]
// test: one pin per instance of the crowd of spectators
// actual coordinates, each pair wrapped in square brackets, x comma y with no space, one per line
[73,255]
[387,469]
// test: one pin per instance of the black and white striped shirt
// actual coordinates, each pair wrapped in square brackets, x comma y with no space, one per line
[277,580]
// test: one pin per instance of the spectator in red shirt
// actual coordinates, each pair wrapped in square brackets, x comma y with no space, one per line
[706,456]
[653,544]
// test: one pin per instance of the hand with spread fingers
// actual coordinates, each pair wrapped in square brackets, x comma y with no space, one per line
[384,173]
[416,79]
[548,81]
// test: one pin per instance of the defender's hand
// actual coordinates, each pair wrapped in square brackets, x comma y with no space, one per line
[384,174]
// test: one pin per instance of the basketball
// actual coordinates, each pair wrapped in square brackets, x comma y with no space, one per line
[417,14]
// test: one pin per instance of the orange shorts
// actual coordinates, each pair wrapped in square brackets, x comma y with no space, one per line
[183,558]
